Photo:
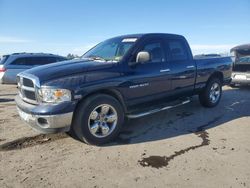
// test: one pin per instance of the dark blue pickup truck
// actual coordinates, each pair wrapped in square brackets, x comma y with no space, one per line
[124,77]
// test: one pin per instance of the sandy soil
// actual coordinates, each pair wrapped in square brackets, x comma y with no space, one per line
[189,146]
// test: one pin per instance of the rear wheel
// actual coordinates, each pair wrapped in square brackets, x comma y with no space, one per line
[98,119]
[211,95]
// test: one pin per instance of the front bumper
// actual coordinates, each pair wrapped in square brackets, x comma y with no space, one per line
[43,118]
[47,124]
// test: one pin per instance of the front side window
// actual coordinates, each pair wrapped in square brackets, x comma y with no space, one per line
[178,50]
[112,50]
[155,50]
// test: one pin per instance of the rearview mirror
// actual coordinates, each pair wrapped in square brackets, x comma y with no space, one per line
[142,57]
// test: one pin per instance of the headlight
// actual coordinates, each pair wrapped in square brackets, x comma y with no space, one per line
[54,95]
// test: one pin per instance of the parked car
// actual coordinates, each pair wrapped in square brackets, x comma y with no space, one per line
[241,65]
[241,72]
[11,65]
[128,76]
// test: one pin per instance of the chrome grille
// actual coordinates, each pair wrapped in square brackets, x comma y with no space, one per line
[29,94]
[27,82]
[27,89]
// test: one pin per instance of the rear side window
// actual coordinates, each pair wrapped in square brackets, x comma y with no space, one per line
[61,59]
[49,60]
[41,60]
[4,59]
[19,61]
[178,50]
[34,61]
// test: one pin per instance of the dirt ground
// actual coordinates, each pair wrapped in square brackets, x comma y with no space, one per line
[189,146]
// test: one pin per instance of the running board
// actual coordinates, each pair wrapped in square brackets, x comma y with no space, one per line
[132,116]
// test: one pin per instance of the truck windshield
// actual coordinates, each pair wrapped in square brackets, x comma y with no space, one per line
[111,50]
[3,60]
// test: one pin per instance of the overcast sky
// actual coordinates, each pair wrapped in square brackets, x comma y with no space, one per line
[62,27]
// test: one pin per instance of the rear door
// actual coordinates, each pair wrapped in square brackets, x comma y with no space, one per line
[182,66]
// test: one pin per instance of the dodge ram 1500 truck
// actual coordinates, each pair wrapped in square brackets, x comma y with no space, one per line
[124,77]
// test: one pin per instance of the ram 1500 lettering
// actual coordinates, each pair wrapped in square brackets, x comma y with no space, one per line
[127,76]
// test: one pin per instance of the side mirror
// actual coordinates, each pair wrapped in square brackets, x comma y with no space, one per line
[142,57]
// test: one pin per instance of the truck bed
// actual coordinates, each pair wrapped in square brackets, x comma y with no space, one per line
[206,67]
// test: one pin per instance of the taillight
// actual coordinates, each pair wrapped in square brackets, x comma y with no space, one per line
[2,69]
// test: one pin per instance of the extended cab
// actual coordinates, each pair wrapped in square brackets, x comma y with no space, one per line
[127,76]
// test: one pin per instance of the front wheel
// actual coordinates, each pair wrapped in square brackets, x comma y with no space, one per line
[98,119]
[211,95]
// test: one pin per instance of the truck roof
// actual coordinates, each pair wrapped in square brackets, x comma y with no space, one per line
[150,35]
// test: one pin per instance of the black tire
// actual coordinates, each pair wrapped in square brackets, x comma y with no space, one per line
[81,127]
[204,96]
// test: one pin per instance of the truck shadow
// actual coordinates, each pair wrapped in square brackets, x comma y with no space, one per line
[189,119]
[6,100]
[27,142]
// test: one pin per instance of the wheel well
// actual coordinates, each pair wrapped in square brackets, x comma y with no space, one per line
[114,93]
[218,75]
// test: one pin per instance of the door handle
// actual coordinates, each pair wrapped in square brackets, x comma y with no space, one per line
[164,70]
[190,66]
[183,77]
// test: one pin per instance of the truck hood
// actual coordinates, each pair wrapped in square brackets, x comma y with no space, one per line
[66,68]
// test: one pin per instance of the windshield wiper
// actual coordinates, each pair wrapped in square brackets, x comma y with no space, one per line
[97,58]
[100,59]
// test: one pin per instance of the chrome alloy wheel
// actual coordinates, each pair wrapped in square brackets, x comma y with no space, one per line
[215,93]
[102,120]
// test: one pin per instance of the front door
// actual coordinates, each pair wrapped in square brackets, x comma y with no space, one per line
[150,80]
